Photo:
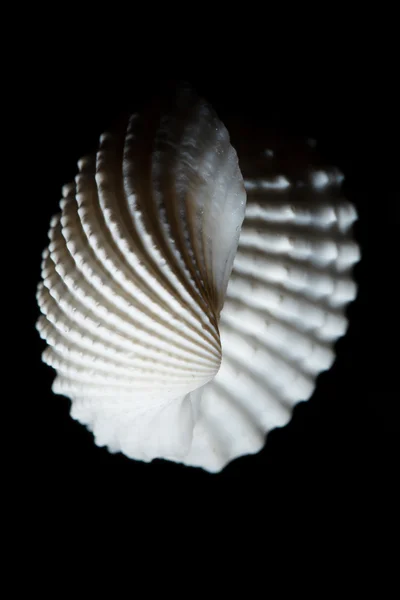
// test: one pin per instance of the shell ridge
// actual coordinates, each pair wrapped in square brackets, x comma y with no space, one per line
[147,214]
[141,262]
[74,319]
[131,304]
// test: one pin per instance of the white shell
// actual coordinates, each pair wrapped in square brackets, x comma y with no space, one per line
[163,349]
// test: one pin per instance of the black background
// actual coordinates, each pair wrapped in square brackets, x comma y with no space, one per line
[341,445]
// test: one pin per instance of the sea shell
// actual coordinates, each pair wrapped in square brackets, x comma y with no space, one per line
[182,322]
